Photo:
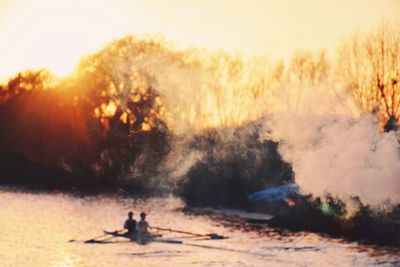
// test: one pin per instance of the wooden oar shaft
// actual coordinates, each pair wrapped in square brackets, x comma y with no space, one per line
[178,231]
[106,233]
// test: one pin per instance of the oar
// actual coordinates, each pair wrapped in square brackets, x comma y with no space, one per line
[94,240]
[169,241]
[211,236]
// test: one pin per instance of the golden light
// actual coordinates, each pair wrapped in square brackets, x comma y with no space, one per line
[146,127]
[109,109]
[55,34]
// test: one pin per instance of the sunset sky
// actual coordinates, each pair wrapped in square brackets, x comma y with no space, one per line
[54,34]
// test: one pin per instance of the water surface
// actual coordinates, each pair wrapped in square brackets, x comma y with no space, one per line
[36,229]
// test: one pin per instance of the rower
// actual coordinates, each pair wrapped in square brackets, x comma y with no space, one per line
[143,224]
[143,232]
[131,225]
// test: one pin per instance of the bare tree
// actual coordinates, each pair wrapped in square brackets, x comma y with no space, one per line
[307,66]
[369,66]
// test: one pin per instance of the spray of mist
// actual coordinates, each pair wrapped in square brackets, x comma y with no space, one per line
[333,147]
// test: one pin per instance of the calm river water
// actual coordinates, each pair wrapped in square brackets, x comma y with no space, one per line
[36,229]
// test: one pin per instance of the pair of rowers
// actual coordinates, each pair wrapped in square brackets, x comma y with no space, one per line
[136,229]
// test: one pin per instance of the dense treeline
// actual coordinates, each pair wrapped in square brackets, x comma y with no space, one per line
[89,130]
[126,107]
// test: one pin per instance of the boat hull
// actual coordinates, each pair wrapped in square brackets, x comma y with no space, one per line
[144,239]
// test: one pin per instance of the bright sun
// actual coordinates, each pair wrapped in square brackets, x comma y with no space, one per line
[55,34]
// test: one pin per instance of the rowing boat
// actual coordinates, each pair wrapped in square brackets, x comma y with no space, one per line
[144,239]
[150,237]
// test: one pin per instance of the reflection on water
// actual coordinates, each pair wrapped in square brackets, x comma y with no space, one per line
[35,230]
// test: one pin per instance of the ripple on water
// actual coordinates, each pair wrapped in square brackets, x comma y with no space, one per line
[35,230]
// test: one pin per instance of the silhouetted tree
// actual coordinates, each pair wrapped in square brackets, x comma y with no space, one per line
[100,122]
[369,66]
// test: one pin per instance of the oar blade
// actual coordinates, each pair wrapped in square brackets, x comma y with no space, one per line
[215,236]
[104,241]
[170,241]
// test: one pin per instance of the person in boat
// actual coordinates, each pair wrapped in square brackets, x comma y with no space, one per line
[143,235]
[131,225]
[143,225]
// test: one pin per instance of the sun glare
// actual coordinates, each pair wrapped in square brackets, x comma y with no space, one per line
[55,34]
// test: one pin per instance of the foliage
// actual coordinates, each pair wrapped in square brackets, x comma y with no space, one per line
[351,219]
[232,168]
[94,124]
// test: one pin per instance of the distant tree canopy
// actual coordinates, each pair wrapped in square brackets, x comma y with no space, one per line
[369,66]
[99,121]
[109,119]
[309,67]
[42,121]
